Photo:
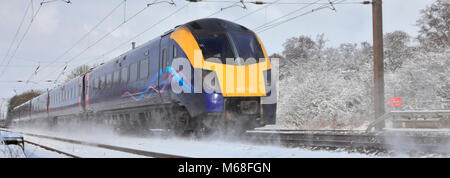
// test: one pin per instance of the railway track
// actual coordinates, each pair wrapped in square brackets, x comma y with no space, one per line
[98,145]
[353,140]
[51,149]
[321,139]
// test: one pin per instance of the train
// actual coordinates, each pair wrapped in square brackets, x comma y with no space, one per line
[136,89]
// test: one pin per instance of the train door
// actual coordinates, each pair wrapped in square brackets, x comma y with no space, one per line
[164,77]
[81,89]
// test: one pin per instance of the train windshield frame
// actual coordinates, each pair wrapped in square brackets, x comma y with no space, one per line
[248,46]
[215,45]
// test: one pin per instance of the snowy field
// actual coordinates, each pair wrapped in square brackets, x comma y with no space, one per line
[29,151]
[204,148]
[213,146]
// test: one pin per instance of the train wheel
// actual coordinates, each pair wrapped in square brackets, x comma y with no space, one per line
[180,124]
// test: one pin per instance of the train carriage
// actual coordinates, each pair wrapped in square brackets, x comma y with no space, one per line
[39,107]
[137,88]
[64,101]
[21,113]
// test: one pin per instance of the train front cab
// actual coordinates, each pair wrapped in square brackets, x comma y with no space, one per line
[238,98]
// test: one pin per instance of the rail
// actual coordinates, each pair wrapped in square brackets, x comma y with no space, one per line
[105,146]
[354,140]
[410,115]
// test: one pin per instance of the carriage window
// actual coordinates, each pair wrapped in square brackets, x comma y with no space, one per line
[99,83]
[116,78]
[102,82]
[96,84]
[174,51]
[133,72]
[248,46]
[215,46]
[143,69]
[163,60]
[108,80]
[124,75]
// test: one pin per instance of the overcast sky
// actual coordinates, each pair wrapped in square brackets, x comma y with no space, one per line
[58,26]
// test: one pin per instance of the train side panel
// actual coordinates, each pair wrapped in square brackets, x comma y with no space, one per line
[64,100]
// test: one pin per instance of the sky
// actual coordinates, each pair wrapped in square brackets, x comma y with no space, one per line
[58,26]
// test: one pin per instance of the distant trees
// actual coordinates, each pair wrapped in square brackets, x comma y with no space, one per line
[22,98]
[434,25]
[395,49]
[332,87]
[325,87]
[299,48]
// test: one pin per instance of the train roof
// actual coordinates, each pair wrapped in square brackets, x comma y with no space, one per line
[23,104]
[196,26]
[214,25]
[43,95]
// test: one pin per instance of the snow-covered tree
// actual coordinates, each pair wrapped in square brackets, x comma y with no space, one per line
[395,49]
[434,25]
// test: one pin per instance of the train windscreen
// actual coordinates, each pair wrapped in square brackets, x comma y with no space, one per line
[248,46]
[215,46]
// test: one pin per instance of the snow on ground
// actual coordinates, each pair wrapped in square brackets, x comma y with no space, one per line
[29,151]
[205,148]
[32,151]
[80,150]
[11,151]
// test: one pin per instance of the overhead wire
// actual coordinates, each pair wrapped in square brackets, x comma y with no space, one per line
[82,38]
[101,39]
[148,5]
[141,33]
[235,4]
[16,33]
[21,39]
[288,14]
[269,26]
[257,10]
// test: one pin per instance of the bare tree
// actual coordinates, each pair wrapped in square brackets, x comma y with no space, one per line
[80,70]
[22,98]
